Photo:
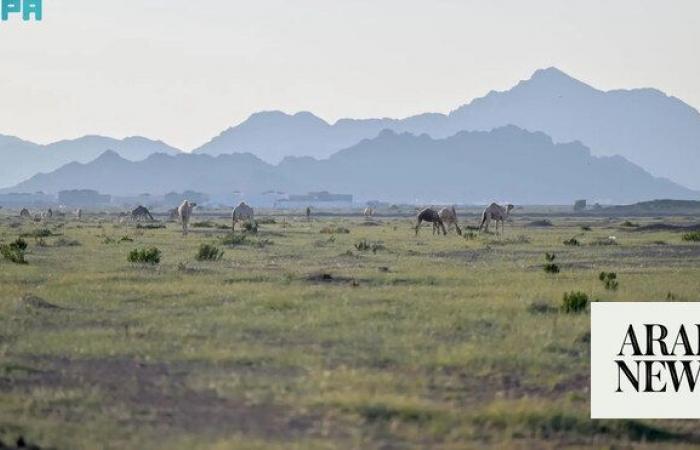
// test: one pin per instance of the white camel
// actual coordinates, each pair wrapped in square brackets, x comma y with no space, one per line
[369,212]
[79,213]
[497,213]
[240,213]
[185,212]
[449,217]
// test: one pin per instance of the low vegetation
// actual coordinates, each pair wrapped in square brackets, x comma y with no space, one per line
[14,251]
[693,236]
[208,252]
[574,302]
[609,280]
[433,342]
[150,255]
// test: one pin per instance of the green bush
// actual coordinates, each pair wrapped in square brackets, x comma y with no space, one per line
[251,226]
[551,268]
[149,255]
[693,236]
[205,224]
[232,239]
[209,252]
[574,302]
[609,279]
[14,251]
[363,245]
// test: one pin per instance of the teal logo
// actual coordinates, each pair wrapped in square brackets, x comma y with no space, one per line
[27,9]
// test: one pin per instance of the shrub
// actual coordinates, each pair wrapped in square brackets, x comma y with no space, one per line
[266,220]
[232,239]
[363,245]
[609,279]
[209,252]
[149,255]
[251,226]
[126,239]
[551,268]
[572,242]
[692,236]
[585,228]
[549,257]
[469,235]
[38,233]
[629,224]
[574,302]
[14,251]
[334,230]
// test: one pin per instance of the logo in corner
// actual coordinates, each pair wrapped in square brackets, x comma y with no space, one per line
[27,9]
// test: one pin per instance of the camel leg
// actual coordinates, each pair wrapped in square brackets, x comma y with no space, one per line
[459,230]
[418,225]
[444,232]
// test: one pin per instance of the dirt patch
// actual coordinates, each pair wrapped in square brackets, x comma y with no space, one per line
[540,223]
[33,302]
[157,395]
[326,277]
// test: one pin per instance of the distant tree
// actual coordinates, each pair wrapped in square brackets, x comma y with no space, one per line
[580,205]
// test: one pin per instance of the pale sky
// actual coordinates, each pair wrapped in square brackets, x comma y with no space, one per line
[185,70]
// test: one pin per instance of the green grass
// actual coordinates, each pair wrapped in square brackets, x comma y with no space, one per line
[430,342]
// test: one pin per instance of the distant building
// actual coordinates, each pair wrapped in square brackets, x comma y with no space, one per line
[321,200]
[83,197]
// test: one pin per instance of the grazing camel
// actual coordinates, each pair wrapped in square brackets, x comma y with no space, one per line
[449,217]
[369,212]
[185,212]
[432,216]
[497,213]
[240,213]
[25,213]
[141,212]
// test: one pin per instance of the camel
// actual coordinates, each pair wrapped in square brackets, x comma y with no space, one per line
[240,213]
[449,217]
[25,213]
[47,214]
[141,212]
[185,212]
[369,212]
[79,213]
[308,213]
[497,213]
[432,216]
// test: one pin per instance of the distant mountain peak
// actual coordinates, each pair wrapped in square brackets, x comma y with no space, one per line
[552,78]
[109,156]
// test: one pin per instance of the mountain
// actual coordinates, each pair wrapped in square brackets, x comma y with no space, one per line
[658,132]
[21,159]
[159,174]
[507,163]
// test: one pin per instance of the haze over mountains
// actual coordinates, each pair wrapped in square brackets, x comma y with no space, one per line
[506,163]
[21,159]
[658,132]
[642,126]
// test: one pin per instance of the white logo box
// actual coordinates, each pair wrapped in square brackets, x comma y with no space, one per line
[610,324]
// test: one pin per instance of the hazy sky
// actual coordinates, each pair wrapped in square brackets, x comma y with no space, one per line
[183,72]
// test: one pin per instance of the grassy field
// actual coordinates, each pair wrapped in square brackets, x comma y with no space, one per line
[297,338]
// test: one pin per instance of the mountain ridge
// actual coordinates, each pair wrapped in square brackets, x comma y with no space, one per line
[470,166]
